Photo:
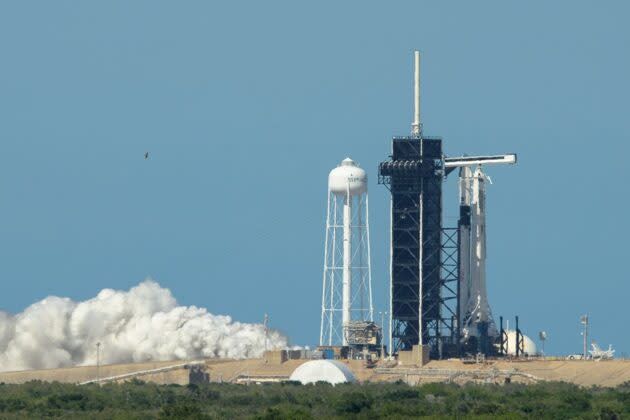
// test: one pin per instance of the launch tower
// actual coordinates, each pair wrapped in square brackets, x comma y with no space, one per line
[425,258]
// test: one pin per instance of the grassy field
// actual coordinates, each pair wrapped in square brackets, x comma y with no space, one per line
[138,400]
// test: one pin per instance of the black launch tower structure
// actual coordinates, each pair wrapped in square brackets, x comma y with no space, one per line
[425,270]
[424,260]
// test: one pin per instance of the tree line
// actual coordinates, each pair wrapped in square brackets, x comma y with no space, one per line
[140,400]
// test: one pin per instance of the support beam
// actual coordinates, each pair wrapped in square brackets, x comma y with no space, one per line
[455,162]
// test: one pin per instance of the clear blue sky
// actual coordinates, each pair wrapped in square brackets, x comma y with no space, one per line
[246,106]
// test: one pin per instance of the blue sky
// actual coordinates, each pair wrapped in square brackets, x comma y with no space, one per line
[246,106]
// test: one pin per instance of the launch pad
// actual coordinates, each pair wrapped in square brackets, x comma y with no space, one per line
[438,299]
[437,275]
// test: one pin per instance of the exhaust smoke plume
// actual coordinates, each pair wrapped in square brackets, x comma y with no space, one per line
[142,324]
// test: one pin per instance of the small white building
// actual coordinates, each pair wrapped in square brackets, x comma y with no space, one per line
[331,371]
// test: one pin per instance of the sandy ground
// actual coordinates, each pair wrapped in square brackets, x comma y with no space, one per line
[585,373]
[86,373]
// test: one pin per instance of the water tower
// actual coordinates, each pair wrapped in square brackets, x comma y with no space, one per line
[347,311]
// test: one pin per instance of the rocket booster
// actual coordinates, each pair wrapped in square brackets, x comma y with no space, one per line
[465,191]
[474,307]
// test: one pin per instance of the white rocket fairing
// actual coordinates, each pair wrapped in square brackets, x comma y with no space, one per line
[474,307]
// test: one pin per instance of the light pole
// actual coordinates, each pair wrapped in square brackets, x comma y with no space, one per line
[584,322]
[265,323]
[98,362]
[543,336]
[383,333]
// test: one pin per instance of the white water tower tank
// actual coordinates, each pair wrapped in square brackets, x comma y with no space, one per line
[347,177]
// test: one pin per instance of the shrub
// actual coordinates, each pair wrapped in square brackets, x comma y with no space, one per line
[353,402]
[180,410]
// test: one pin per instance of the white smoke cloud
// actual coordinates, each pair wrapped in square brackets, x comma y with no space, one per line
[142,324]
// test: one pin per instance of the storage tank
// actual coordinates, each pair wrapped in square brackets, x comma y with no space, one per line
[347,178]
[529,347]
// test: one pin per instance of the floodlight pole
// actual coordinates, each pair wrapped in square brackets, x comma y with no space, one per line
[383,334]
[585,334]
[266,322]
[98,362]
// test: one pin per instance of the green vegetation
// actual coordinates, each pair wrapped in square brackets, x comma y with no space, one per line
[139,400]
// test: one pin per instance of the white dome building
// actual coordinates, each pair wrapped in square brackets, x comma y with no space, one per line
[529,347]
[331,371]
